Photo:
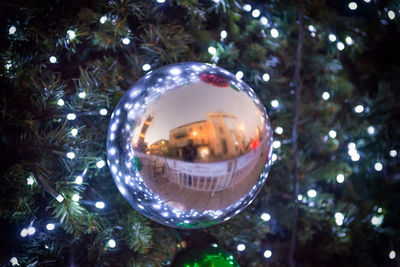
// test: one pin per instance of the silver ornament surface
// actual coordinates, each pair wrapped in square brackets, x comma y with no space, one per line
[189,145]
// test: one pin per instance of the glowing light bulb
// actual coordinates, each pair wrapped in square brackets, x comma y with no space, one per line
[275,103]
[349,41]
[264,20]
[332,37]
[300,197]
[212,50]
[393,153]
[224,34]
[71,116]
[276,144]
[332,133]
[392,254]
[266,77]
[82,95]
[103,111]
[100,164]
[265,217]
[79,179]
[14,261]
[255,13]
[311,28]
[378,166]
[70,155]
[239,74]
[53,59]
[111,243]
[60,102]
[391,14]
[355,157]
[279,130]
[325,95]
[30,180]
[103,19]
[71,34]
[50,226]
[75,197]
[247,7]
[241,247]
[24,232]
[274,33]
[100,205]
[126,41]
[359,108]
[371,130]
[267,254]
[339,217]
[311,193]
[175,71]
[160,1]
[60,198]
[340,46]
[340,178]
[74,132]
[352,5]
[12,30]
[367,1]
[31,230]
[377,220]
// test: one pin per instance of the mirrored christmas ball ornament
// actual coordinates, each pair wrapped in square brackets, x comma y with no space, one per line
[189,145]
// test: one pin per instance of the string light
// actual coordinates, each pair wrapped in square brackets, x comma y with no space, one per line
[359,109]
[60,198]
[353,5]
[239,74]
[377,220]
[255,13]
[378,166]
[274,33]
[212,50]
[300,197]
[379,210]
[393,153]
[60,102]
[126,41]
[265,217]
[30,180]
[14,261]
[100,164]
[276,144]
[264,20]
[352,151]
[241,247]
[391,14]
[12,30]
[349,41]
[111,243]
[332,37]
[267,254]
[160,1]
[339,217]
[340,46]
[224,34]
[367,1]
[75,197]
[274,157]
[71,34]
[340,178]
[74,132]
[247,7]
[103,112]
[279,130]
[50,226]
[103,19]
[311,193]
[392,254]
[275,103]
[146,67]
[70,155]
[31,230]
[24,232]
[214,245]
[311,28]
[71,116]
[332,133]
[53,59]
[325,95]
[100,205]
[82,95]
[371,130]
[266,77]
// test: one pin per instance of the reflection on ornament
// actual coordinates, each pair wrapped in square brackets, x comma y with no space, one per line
[189,145]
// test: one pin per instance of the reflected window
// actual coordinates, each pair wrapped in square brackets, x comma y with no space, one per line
[224,146]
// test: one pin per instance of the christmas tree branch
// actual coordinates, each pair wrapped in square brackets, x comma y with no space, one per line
[298,85]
